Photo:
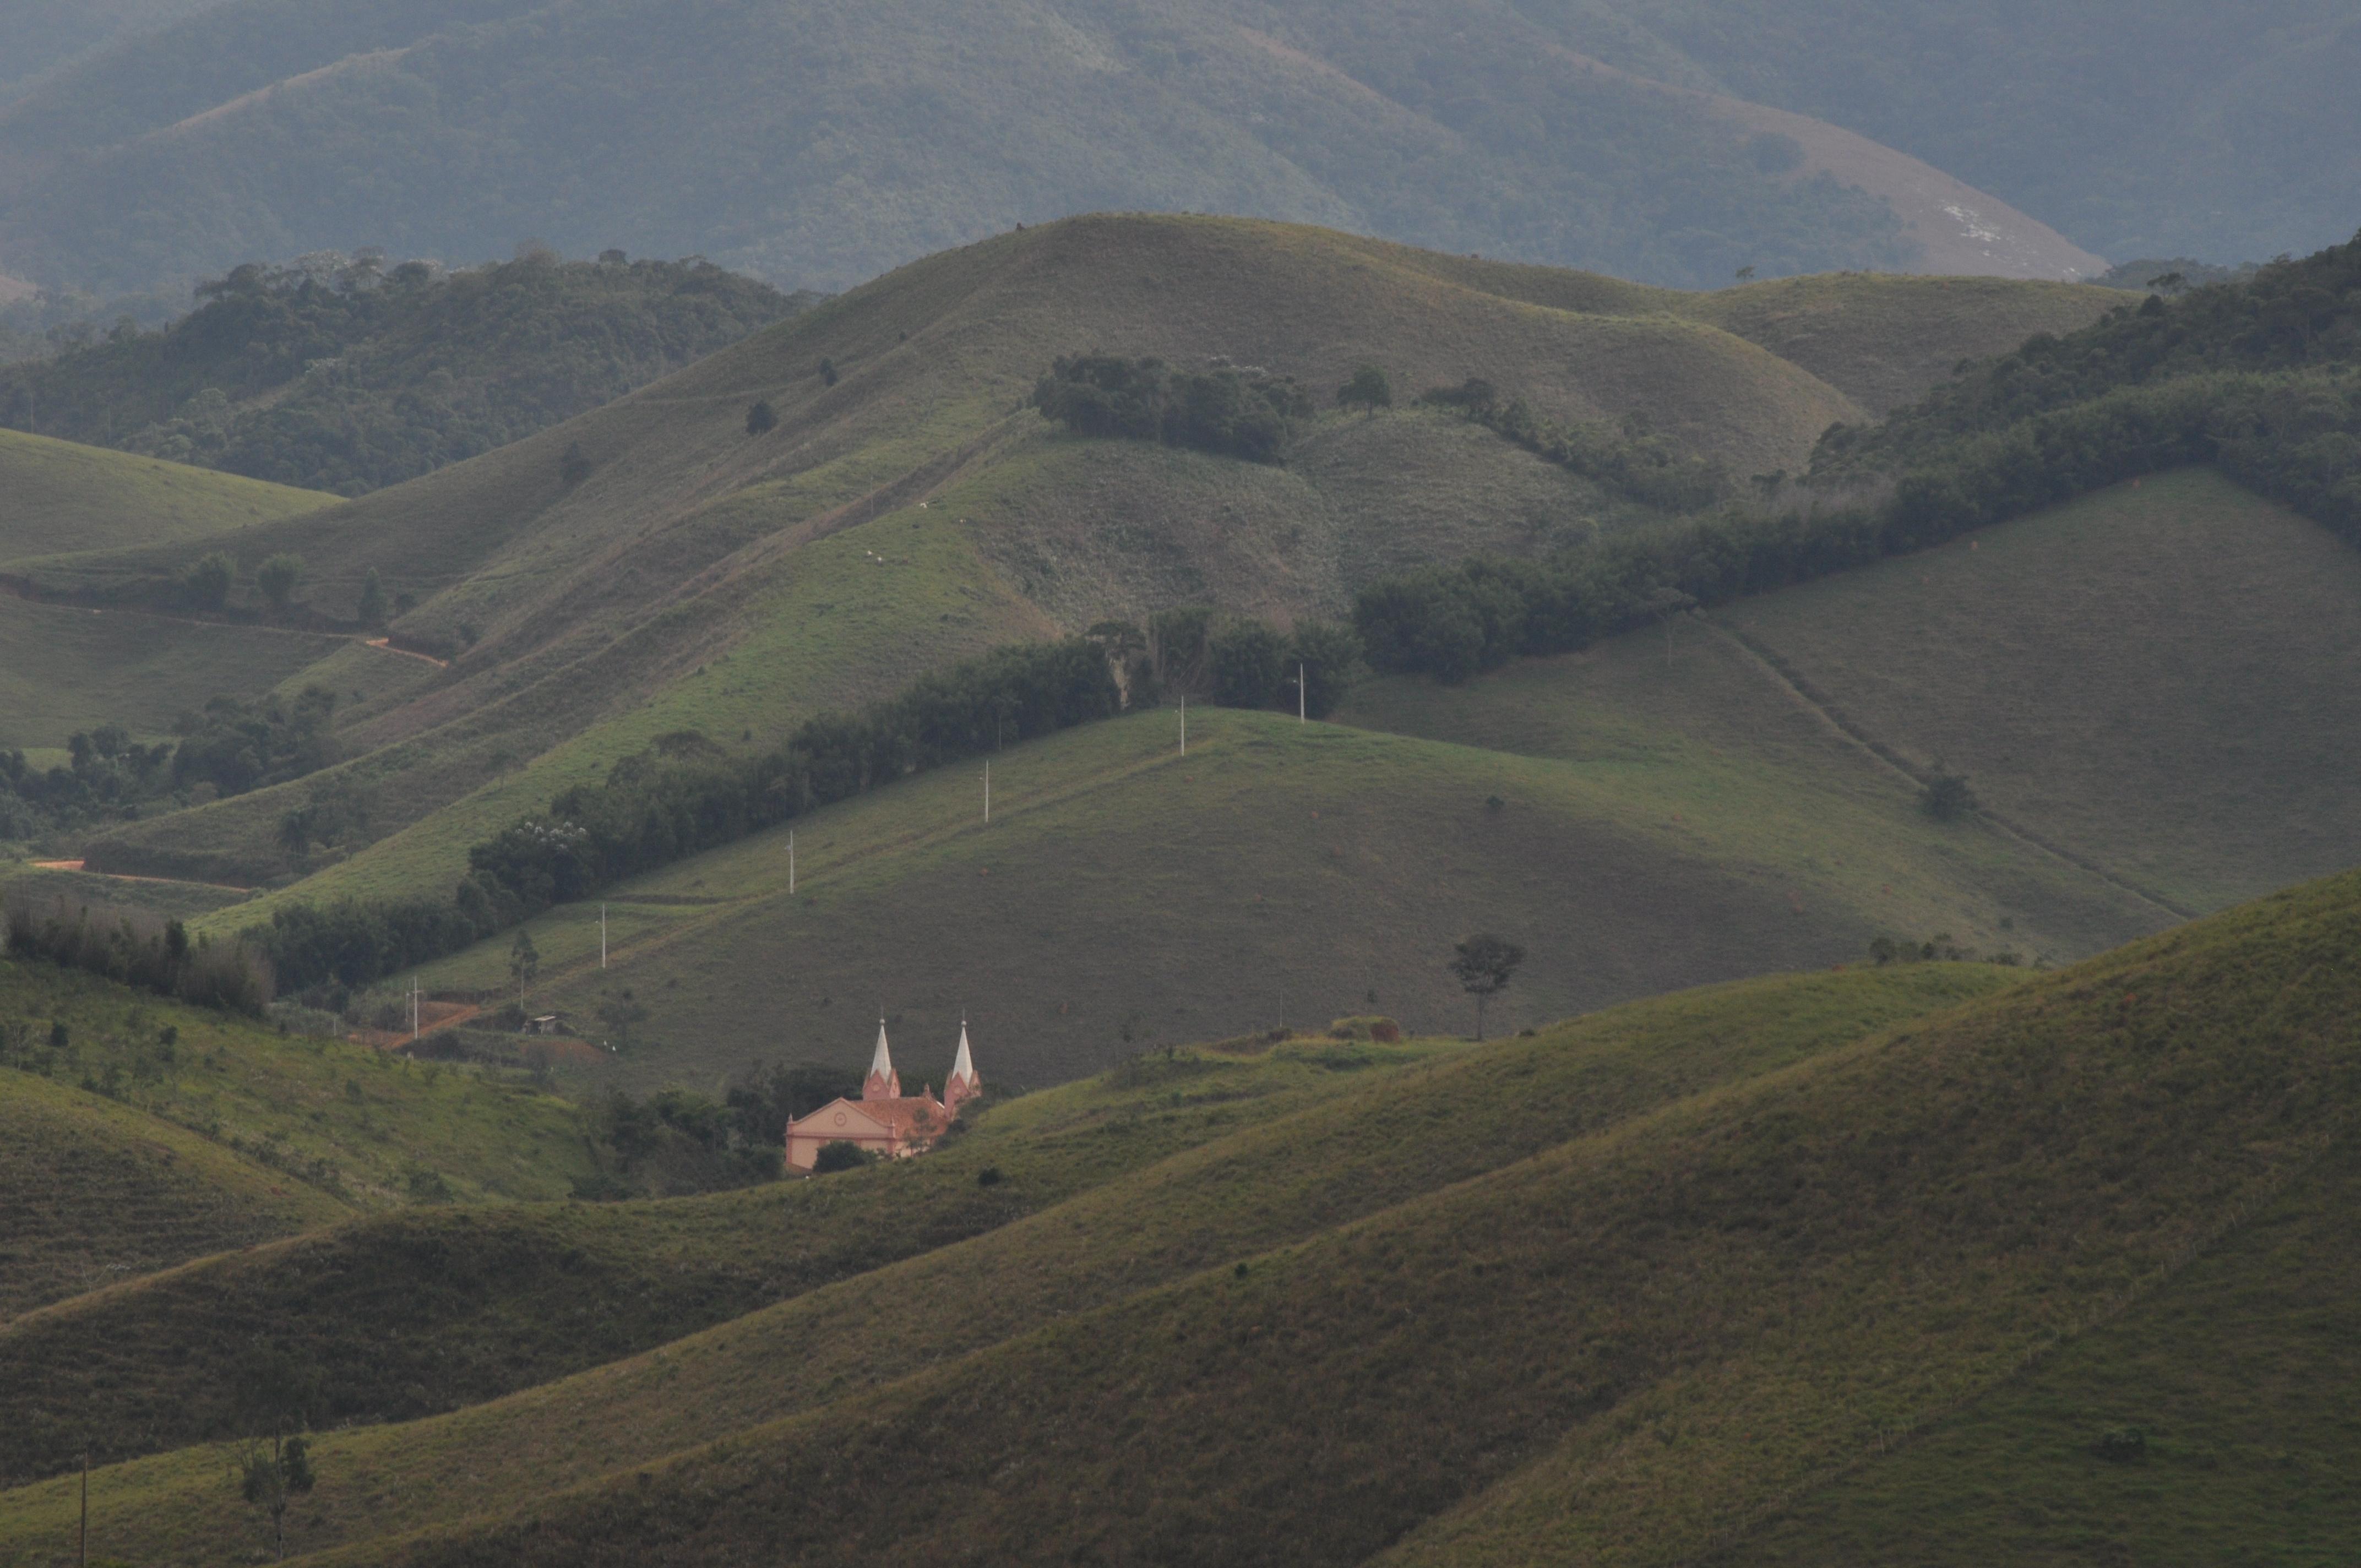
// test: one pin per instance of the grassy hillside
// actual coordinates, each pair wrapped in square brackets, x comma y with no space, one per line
[1776,1280]
[1279,874]
[65,668]
[2158,677]
[403,1315]
[2232,1378]
[1367,1142]
[101,1191]
[65,498]
[568,604]
[351,1123]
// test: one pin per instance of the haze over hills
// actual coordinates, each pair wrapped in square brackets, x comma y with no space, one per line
[821,146]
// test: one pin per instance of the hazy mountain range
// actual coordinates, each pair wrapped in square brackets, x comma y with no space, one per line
[1673,141]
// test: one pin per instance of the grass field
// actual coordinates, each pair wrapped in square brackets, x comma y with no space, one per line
[64,668]
[63,498]
[1281,874]
[1627,1347]
[2162,677]
[99,1192]
[348,1121]
[2235,1379]
[406,1315]
[1349,1147]
[1655,1285]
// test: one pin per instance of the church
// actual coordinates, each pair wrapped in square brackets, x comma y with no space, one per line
[884,1120]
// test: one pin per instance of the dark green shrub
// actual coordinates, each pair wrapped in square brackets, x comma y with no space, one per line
[841,1155]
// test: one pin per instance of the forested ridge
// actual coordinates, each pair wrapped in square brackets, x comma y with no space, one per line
[2255,377]
[346,373]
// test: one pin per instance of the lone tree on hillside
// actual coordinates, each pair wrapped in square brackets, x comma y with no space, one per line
[574,466]
[272,1479]
[275,1391]
[206,583]
[1370,388]
[1484,965]
[372,605]
[279,577]
[1664,604]
[1947,796]
[762,416]
[524,962]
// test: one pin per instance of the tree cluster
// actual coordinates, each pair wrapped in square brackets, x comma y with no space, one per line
[228,748]
[345,373]
[1233,412]
[1643,466]
[136,947]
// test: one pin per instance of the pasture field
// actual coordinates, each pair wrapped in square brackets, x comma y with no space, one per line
[69,667]
[63,498]
[1781,1277]
[2163,677]
[426,1308]
[1230,1175]
[352,1123]
[566,605]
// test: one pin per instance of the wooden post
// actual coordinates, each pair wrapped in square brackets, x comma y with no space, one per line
[1184,724]
[81,1540]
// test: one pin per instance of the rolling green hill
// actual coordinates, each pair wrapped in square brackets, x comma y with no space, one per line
[406,1315]
[63,498]
[101,1192]
[568,606]
[1636,1343]
[1745,1274]
[356,1126]
[1348,1149]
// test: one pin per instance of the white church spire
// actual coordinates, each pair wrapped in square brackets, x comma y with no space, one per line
[884,1082]
[964,1083]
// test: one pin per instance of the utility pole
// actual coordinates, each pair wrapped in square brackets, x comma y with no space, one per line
[791,862]
[81,1540]
[987,789]
[1303,702]
[602,935]
[413,1009]
[1184,724]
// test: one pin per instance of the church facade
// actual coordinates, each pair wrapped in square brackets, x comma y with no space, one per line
[885,1121]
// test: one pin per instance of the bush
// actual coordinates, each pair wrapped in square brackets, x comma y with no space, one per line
[1946,797]
[1236,413]
[841,1155]
[760,417]
[2122,1446]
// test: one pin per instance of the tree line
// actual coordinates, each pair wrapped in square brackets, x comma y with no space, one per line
[229,748]
[137,948]
[1641,464]
[684,793]
[1234,413]
[2294,436]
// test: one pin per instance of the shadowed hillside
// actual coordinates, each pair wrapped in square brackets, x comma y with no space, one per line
[1340,1151]
[1811,1229]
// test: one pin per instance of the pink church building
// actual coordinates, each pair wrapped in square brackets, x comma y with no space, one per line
[884,1118]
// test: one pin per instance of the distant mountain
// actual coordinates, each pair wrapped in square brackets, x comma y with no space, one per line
[347,375]
[822,145]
